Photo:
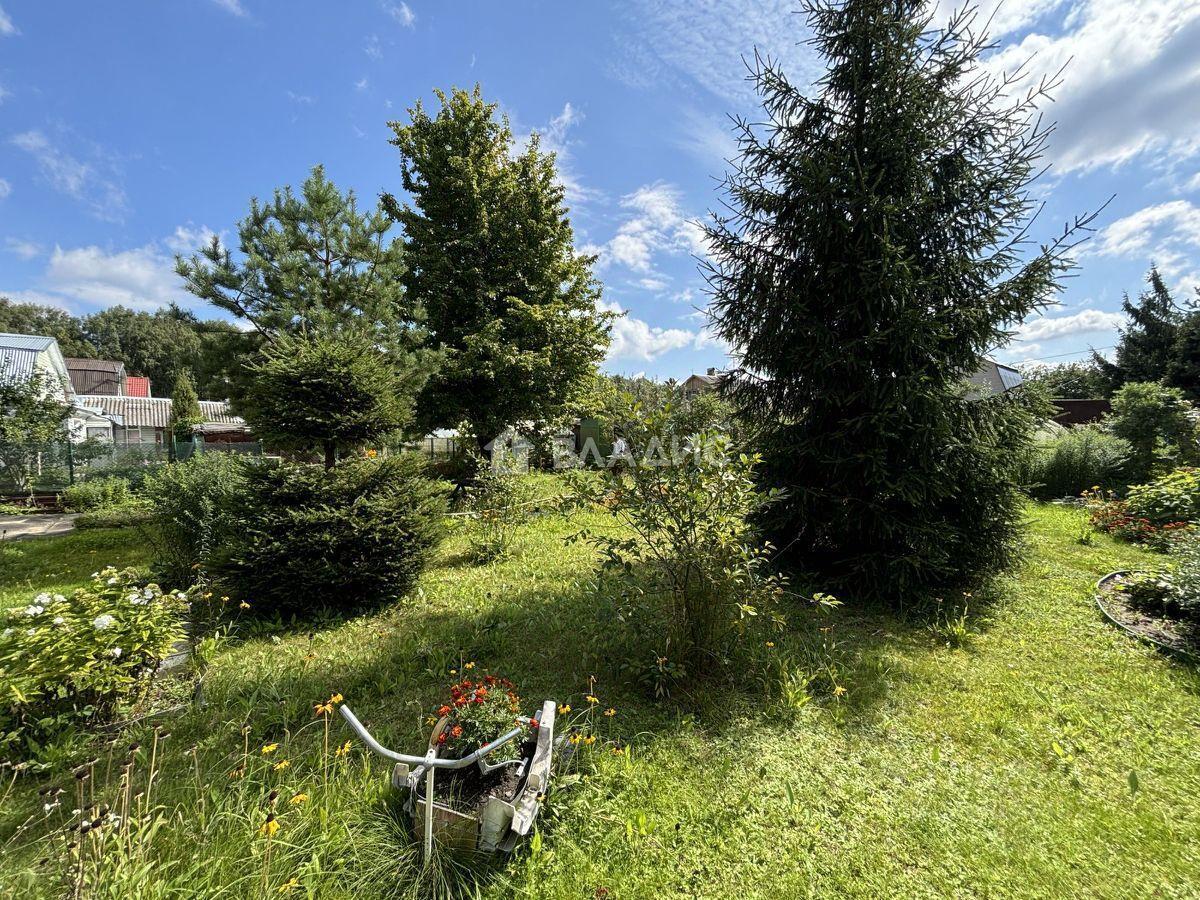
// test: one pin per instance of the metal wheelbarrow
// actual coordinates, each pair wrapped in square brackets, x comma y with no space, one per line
[500,823]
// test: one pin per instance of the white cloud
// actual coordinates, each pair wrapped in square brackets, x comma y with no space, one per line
[39,298]
[706,41]
[5,188]
[300,99]
[656,224]
[1132,82]
[7,28]
[1167,234]
[70,176]
[189,238]
[142,278]
[555,138]
[1087,321]
[4,93]
[1004,17]
[372,47]
[362,84]
[23,249]
[232,6]
[402,13]
[634,338]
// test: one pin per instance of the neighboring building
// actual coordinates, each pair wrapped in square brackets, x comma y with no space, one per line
[97,376]
[147,420]
[22,356]
[702,384]
[995,378]
[137,386]
[1081,412]
[106,403]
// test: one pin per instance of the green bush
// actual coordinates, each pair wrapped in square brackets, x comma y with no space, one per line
[124,516]
[193,504]
[1079,459]
[498,499]
[1151,592]
[1159,425]
[360,532]
[96,493]
[1174,497]
[693,571]
[1186,579]
[65,660]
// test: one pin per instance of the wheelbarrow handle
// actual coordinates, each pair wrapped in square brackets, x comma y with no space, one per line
[428,759]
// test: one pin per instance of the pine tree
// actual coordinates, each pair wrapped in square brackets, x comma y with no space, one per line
[185,407]
[873,251]
[491,259]
[1147,346]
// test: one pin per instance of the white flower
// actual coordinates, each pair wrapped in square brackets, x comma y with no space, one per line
[115,652]
[133,598]
[34,610]
[58,620]
[114,581]
[102,622]
[5,633]
[42,598]
[59,598]
[31,631]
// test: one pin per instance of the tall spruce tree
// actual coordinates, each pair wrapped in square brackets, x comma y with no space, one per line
[185,407]
[1147,346]
[873,251]
[490,256]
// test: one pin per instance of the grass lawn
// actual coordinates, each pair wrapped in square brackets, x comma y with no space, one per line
[1047,756]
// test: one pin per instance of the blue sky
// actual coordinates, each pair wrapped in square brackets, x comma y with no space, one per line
[130,129]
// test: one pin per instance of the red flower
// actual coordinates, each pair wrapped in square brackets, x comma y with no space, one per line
[535,724]
[456,731]
[442,738]
[443,711]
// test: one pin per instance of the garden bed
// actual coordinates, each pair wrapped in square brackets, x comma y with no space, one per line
[1169,634]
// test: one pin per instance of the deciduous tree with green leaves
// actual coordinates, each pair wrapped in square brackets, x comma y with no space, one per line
[490,257]
[874,250]
[33,412]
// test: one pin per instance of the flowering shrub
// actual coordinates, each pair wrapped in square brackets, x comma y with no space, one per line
[1174,497]
[64,658]
[477,712]
[1113,516]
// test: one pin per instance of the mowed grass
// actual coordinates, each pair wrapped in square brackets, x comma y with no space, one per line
[1047,755]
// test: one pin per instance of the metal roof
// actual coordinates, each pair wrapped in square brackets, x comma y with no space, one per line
[155,412]
[17,364]
[35,342]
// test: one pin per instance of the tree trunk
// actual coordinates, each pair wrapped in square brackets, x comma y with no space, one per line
[330,454]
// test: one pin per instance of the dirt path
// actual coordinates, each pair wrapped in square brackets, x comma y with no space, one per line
[15,528]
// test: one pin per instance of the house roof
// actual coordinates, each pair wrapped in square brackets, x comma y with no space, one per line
[96,376]
[137,386]
[17,364]
[35,342]
[155,412]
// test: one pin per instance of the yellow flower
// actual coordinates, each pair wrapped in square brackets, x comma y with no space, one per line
[335,699]
[224,599]
[454,671]
[281,765]
[323,709]
[371,454]
[431,720]
[342,750]
[575,739]
[288,886]
[243,605]
[270,826]
[770,643]
[469,665]
[590,699]
[237,773]
[590,739]
[207,595]
[268,749]
[610,712]
[564,708]
[839,691]
[298,799]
